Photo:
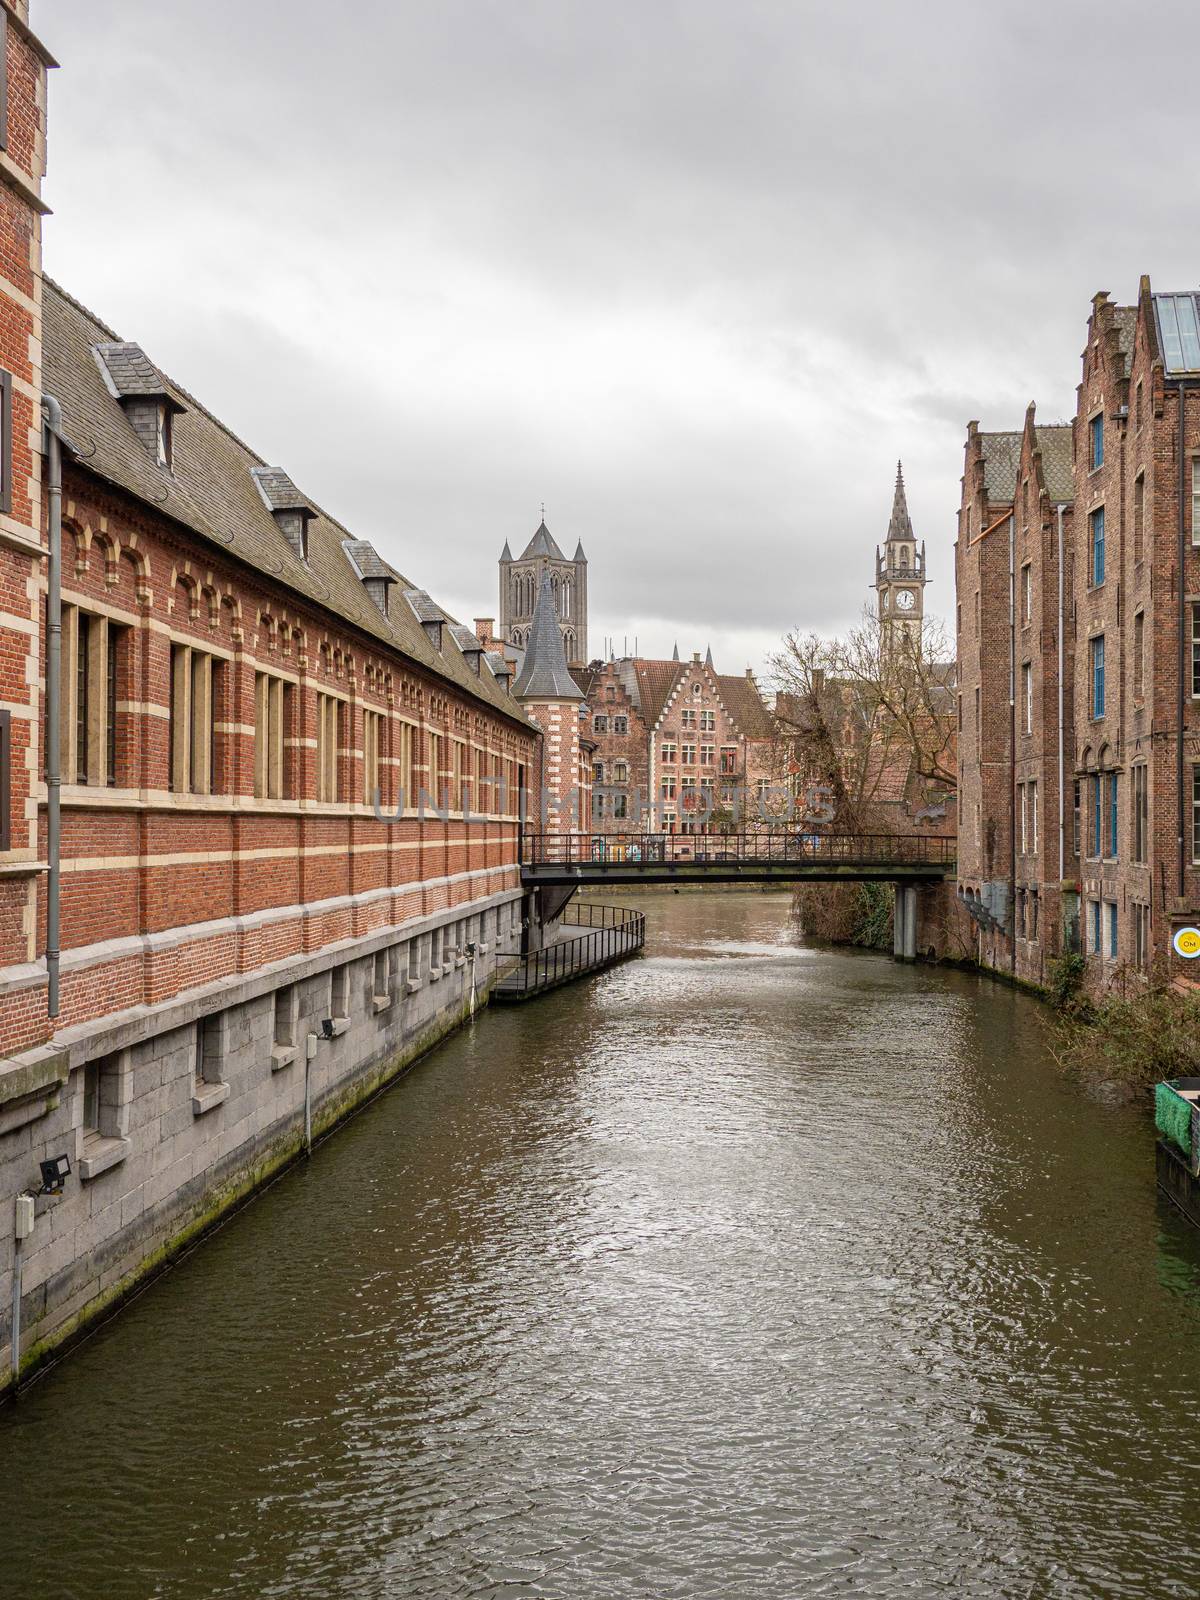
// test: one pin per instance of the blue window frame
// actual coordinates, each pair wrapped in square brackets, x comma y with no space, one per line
[1096,433]
[1111,830]
[1110,908]
[1097,649]
[1094,829]
[1096,539]
[1094,929]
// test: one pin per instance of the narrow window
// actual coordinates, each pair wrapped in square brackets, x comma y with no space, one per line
[371,724]
[1096,539]
[91,1100]
[328,765]
[6,423]
[414,960]
[1033,916]
[196,680]
[339,991]
[208,1050]
[1139,776]
[1027,695]
[1196,501]
[380,988]
[1111,838]
[272,702]
[1097,654]
[6,766]
[1110,907]
[1096,433]
[1033,816]
[1196,813]
[1139,511]
[284,1034]
[1026,593]
[1077,817]
[1195,650]
[1137,404]
[1094,927]
[1094,816]
[1139,653]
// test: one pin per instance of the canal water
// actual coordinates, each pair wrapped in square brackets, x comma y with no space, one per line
[741,1270]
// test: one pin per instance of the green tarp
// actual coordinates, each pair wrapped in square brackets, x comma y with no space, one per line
[1173,1117]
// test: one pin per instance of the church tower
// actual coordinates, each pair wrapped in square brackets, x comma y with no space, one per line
[900,576]
[521,583]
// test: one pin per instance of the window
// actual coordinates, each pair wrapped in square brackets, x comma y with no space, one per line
[1026,593]
[404,765]
[1195,501]
[1076,818]
[708,722]
[1094,816]
[104,1118]
[600,722]
[339,991]
[977,614]
[688,719]
[1141,935]
[1110,818]
[91,1099]
[597,772]
[668,754]
[329,726]
[729,758]
[1096,440]
[433,778]
[668,788]
[978,729]
[1020,916]
[708,755]
[1033,816]
[620,772]
[272,705]
[1139,512]
[6,805]
[414,961]
[93,651]
[207,1047]
[620,724]
[1023,818]
[610,692]
[1094,927]
[380,988]
[458,756]
[372,722]
[6,423]
[1196,813]
[162,435]
[284,1026]
[697,689]
[1027,696]
[1195,650]
[1139,776]
[196,680]
[1137,404]
[1110,919]
[1033,916]
[1096,545]
[618,805]
[1139,654]
[688,757]
[1096,650]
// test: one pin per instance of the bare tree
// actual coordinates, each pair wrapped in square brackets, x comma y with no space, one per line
[871,714]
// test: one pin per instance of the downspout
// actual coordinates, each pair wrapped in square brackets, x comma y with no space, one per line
[1179,705]
[1012,740]
[53,441]
[1062,778]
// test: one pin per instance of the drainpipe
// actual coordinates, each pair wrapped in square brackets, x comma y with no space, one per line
[1012,739]
[53,442]
[1179,706]
[1062,798]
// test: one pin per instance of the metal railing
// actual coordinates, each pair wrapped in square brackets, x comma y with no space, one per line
[613,931]
[781,846]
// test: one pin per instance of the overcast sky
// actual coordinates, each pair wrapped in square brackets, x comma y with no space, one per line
[693,272]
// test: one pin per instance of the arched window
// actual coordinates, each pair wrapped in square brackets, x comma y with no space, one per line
[566,598]
[569,643]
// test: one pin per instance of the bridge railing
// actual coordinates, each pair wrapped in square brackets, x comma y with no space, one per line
[782,846]
[613,931]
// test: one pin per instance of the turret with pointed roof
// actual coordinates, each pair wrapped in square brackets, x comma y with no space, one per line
[521,580]
[544,674]
[900,574]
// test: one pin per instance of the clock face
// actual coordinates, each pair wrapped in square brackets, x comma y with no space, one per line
[904,600]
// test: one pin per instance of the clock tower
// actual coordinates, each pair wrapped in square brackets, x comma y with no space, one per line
[900,577]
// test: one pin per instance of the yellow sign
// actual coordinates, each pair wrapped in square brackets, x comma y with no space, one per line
[1186,943]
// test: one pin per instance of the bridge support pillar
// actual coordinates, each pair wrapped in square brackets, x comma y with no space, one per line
[904,918]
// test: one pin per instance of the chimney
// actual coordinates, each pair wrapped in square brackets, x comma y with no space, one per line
[484,628]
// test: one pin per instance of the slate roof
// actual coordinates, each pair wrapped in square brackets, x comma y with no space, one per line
[745,705]
[366,560]
[542,544]
[544,674]
[506,553]
[278,491]
[210,491]
[579,555]
[900,523]
[128,371]
[1001,462]
[1057,445]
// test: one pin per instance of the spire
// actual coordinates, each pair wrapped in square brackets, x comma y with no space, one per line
[900,527]
[708,661]
[506,553]
[542,544]
[544,674]
[579,555]
[675,652]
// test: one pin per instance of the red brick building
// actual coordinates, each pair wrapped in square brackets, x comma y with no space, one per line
[290,787]
[1079,603]
[679,747]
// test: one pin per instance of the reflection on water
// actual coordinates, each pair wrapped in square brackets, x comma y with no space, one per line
[741,1270]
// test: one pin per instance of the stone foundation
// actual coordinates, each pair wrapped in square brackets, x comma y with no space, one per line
[172,1115]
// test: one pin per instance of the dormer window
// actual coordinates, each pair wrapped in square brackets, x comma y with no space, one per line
[371,569]
[287,505]
[141,390]
[428,613]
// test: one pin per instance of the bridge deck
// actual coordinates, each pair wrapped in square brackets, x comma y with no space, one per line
[769,856]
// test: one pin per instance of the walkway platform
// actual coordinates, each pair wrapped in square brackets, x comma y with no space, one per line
[593,937]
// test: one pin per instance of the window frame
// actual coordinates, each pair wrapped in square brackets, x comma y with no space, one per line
[1096,440]
[1097,695]
[6,769]
[1097,557]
